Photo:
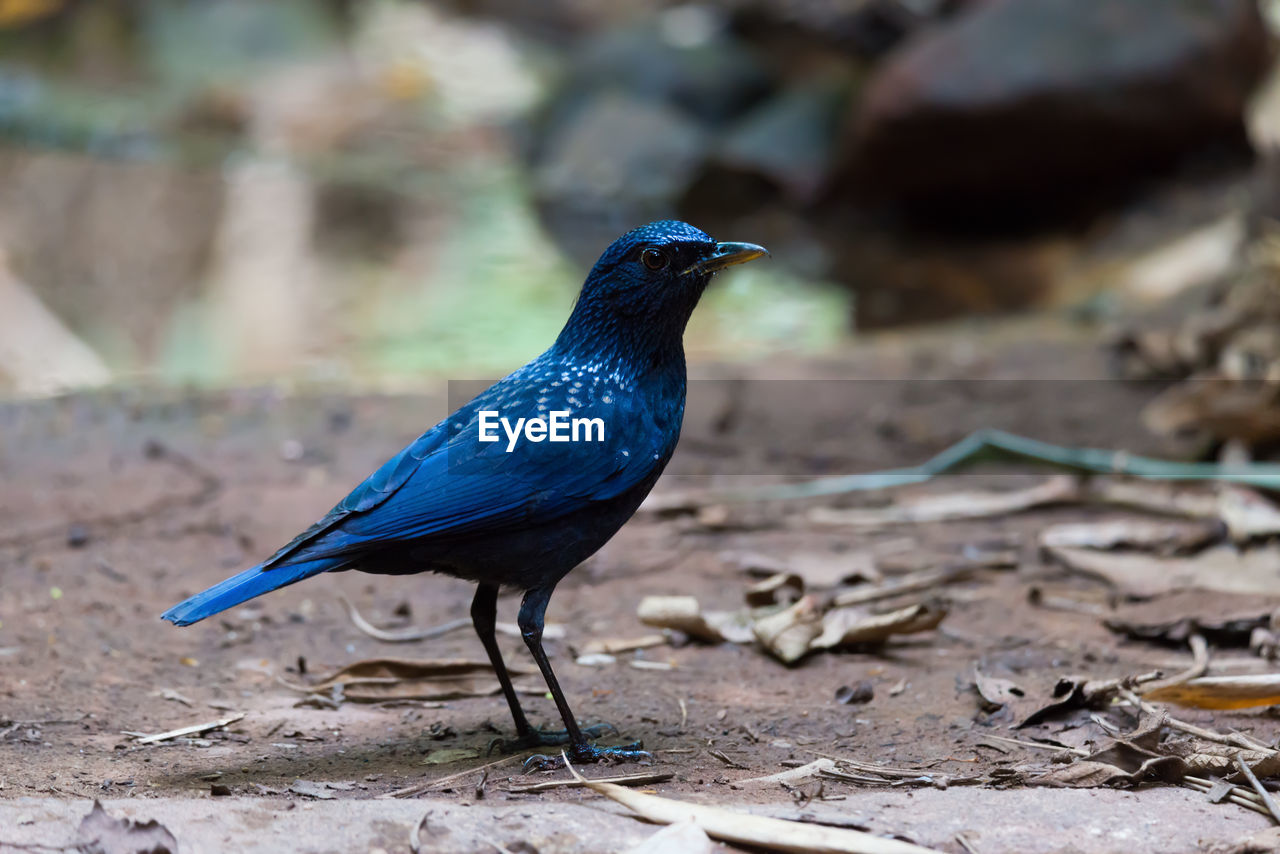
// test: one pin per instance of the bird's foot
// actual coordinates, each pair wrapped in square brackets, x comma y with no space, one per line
[589,753]
[547,738]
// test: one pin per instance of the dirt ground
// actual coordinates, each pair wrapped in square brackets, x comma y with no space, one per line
[115,506]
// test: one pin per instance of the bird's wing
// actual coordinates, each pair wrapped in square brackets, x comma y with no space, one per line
[447,482]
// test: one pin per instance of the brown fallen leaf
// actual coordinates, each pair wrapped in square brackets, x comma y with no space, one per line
[787,634]
[312,790]
[99,833]
[850,626]
[957,505]
[377,680]
[815,569]
[1026,698]
[780,589]
[614,646]
[1220,631]
[1163,536]
[684,614]
[1222,568]
[1131,759]
[1221,692]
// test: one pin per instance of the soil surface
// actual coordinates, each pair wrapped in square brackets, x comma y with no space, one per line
[115,506]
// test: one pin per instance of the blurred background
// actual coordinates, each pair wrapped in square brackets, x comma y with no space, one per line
[378,193]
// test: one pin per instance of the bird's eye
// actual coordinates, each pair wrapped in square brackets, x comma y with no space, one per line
[654,259]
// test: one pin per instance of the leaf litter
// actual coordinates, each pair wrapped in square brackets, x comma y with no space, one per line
[380,680]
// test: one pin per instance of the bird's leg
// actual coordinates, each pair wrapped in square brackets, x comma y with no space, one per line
[484,611]
[532,617]
[484,616]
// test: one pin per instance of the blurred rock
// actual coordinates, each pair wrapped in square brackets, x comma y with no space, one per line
[862,28]
[1022,101]
[620,159]
[790,139]
[634,119]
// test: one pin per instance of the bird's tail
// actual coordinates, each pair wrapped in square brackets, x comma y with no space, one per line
[245,586]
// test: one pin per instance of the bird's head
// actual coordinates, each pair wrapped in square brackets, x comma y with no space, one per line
[638,297]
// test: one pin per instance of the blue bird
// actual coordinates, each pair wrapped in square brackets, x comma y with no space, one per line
[589,426]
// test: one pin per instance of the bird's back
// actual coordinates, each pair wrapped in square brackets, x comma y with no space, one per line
[523,509]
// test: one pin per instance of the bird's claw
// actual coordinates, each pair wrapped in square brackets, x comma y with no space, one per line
[547,738]
[589,753]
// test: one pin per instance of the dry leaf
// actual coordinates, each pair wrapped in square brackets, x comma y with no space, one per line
[614,646]
[312,790]
[377,680]
[815,569]
[1138,757]
[781,589]
[1221,692]
[1222,568]
[1221,632]
[956,505]
[849,626]
[787,634]
[99,833]
[683,614]
[1163,536]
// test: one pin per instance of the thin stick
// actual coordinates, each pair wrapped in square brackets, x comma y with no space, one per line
[406,636]
[1235,790]
[194,729]
[727,760]
[1267,800]
[1235,739]
[1078,751]
[422,787]
[624,780]
[1199,665]
[1236,797]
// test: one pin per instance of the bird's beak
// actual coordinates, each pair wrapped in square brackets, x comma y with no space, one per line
[726,255]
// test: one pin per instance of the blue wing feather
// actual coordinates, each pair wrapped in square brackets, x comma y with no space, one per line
[446,481]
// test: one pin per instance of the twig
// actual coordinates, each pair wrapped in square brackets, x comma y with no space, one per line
[1078,751]
[966,843]
[1235,739]
[624,780]
[1236,797]
[1239,791]
[793,774]
[406,636]
[424,786]
[727,760]
[1199,665]
[194,729]
[985,445]
[1268,801]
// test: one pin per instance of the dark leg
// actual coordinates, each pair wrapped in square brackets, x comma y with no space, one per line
[484,615]
[532,618]
[484,610]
